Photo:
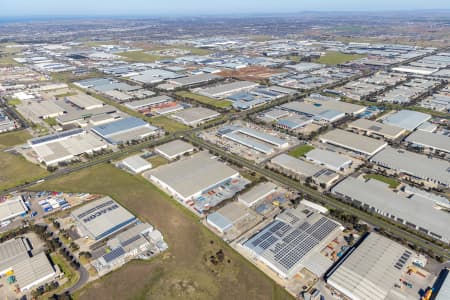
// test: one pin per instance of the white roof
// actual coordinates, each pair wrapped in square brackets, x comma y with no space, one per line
[194,174]
[174,148]
[12,208]
[353,141]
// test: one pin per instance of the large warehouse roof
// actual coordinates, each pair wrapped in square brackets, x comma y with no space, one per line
[227,88]
[382,129]
[407,119]
[331,160]
[415,210]
[175,148]
[352,141]
[194,79]
[102,217]
[291,238]
[192,175]
[414,164]
[371,270]
[12,208]
[12,252]
[430,140]
[32,271]
[84,101]
[194,115]
[257,193]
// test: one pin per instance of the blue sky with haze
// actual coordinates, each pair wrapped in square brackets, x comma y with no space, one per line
[193,7]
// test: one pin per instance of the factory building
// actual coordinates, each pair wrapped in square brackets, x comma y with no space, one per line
[257,193]
[136,164]
[29,271]
[195,116]
[12,208]
[101,218]
[413,210]
[329,159]
[125,130]
[83,101]
[354,142]
[185,179]
[417,166]
[223,90]
[407,119]
[304,169]
[373,128]
[371,269]
[429,140]
[294,240]
[174,149]
[129,244]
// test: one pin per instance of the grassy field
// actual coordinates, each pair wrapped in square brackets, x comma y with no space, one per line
[204,99]
[68,271]
[335,58]
[139,56]
[300,150]
[182,272]
[168,124]
[14,169]
[392,182]
[157,160]
[14,102]
[10,139]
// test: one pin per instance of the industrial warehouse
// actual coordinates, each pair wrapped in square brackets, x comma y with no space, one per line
[28,271]
[376,269]
[125,130]
[354,142]
[303,169]
[402,207]
[65,146]
[101,218]
[386,131]
[12,208]
[293,239]
[185,180]
[195,116]
[432,171]
[174,149]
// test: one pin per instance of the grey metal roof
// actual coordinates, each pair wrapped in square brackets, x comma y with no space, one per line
[13,251]
[259,191]
[84,101]
[369,272]
[148,102]
[193,174]
[227,88]
[11,208]
[194,79]
[330,159]
[407,119]
[32,271]
[385,130]
[174,148]
[136,162]
[416,210]
[444,291]
[353,141]
[194,115]
[429,139]
[417,165]
[102,217]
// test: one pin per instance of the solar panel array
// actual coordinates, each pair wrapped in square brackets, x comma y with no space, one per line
[116,253]
[287,240]
[56,136]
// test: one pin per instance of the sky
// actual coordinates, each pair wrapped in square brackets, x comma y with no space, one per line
[201,7]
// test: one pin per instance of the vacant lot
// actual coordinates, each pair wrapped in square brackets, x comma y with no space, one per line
[14,169]
[168,124]
[10,139]
[300,150]
[204,99]
[335,58]
[184,271]
[391,181]
[157,160]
